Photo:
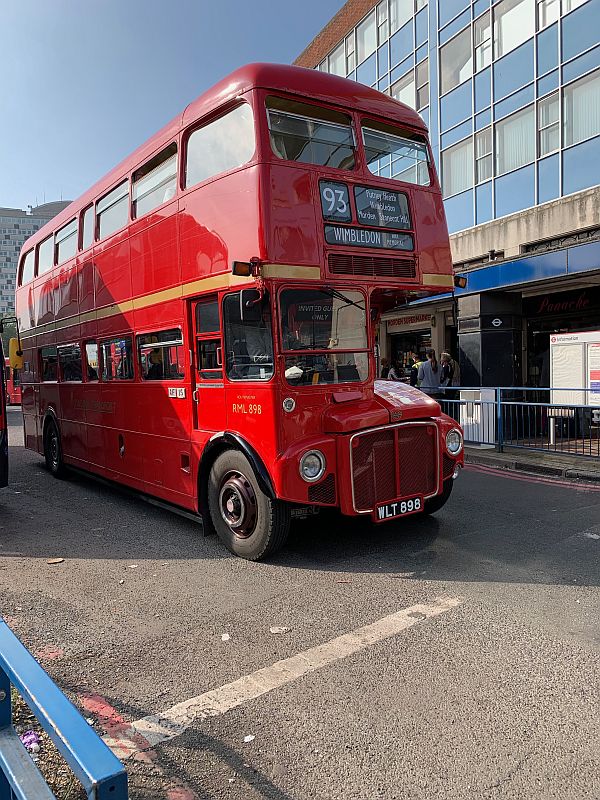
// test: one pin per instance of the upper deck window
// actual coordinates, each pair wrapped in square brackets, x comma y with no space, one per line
[155,182]
[27,267]
[221,145]
[310,134]
[46,255]
[66,242]
[392,153]
[111,210]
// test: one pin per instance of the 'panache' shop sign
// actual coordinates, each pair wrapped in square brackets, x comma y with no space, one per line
[414,319]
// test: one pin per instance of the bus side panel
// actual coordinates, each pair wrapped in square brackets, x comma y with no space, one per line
[289,211]
[113,277]
[3,426]
[228,205]
[123,445]
[153,251]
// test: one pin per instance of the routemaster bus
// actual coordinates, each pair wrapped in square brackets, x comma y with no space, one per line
[13,384]
[200,325]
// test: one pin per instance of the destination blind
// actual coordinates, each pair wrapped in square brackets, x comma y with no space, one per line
[365,237]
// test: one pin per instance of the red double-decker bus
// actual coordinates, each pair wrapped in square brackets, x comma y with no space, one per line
[13,384]
[201,324]
[3,423]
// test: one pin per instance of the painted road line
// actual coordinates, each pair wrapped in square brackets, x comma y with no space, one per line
[156,728]
[529,477]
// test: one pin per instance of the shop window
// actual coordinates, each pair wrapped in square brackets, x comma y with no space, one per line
[514,23]
[548,125]
[160,355]
[69,359]
[457,168]
[366,38]
[221,145]
[482,40]
[117,359]
[49,364]
[455,61]
[515,141]
[483,156]
[581,109]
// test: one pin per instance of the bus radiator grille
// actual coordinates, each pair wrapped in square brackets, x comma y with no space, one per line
[371,266]
[394,463]
[323,492]
[447,467]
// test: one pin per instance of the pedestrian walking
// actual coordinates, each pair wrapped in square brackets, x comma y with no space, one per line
[417,360]
[430,375]
[449,369]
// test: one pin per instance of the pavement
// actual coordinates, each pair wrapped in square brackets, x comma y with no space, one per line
[556,464]
[449,657]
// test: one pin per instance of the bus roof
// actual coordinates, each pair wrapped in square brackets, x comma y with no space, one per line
[308,83]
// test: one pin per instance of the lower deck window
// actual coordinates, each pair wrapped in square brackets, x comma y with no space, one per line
[69,358]
[117,359]
[248,341]
[161,355]
[49,363]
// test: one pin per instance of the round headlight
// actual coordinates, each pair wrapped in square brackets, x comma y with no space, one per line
[312,466]
[454,441]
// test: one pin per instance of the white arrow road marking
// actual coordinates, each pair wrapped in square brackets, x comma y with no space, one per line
[156,728]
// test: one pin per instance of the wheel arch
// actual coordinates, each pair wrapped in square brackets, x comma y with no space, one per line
[50,416]
[218,444]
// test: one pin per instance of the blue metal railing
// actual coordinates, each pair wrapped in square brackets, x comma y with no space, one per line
[529,418]
[99,771]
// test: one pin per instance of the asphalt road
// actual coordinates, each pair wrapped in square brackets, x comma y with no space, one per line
[496,696]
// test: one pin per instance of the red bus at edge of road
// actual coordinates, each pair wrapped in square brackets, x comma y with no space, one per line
[200,325]
[13,384]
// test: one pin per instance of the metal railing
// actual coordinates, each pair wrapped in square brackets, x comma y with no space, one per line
[99,771]
[544,419]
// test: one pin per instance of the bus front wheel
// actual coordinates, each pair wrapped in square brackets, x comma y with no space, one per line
[435,503]
[53,450]
[249,523]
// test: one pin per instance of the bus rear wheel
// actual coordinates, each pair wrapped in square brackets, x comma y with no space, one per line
[53,450]
[249,523]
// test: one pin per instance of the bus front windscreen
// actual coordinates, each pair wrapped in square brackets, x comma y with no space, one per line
[324,336]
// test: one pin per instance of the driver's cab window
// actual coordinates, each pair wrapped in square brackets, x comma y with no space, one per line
[248,336]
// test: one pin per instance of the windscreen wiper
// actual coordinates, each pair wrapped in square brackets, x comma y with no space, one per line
[334,293]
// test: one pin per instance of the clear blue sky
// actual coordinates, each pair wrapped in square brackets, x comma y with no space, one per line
[84,82]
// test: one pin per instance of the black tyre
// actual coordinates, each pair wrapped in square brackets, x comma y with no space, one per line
[53,450]
[435,503]
[248,522]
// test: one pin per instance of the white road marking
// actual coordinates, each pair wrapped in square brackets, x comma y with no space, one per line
[156,728]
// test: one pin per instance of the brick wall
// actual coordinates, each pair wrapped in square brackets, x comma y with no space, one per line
[335,30]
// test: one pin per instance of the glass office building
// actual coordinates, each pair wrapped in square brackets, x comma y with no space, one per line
[510,91]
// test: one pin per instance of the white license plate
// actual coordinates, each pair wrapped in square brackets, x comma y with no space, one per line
[400,508]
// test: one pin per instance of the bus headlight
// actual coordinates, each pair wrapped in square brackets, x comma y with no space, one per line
[454,441]
[312,466]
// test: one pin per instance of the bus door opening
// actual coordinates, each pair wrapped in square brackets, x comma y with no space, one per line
[207,379]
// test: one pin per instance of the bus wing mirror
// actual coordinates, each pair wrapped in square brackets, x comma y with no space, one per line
[460,281]
[250,305]
[15,354]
